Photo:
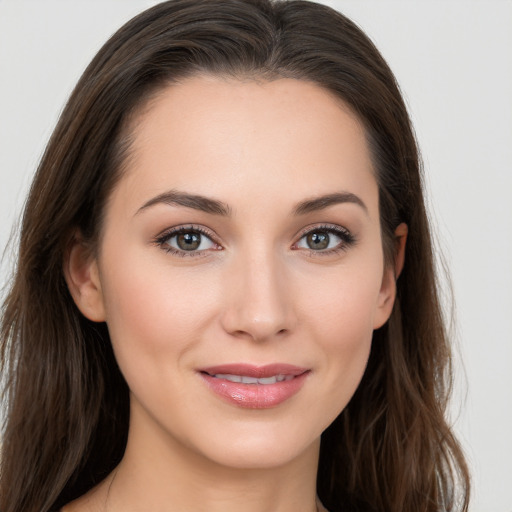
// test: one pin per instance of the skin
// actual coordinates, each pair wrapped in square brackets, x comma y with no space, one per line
[254,292]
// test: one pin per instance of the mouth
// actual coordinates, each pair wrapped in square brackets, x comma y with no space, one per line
[255,387]
[245,379]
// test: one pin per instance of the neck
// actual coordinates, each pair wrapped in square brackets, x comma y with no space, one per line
[161,474]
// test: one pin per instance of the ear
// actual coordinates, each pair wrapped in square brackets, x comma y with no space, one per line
[83,279]
[387,293]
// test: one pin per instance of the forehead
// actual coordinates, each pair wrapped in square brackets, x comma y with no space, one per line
[216,136]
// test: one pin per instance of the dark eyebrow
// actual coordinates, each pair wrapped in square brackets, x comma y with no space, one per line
[319,203]
[197,202]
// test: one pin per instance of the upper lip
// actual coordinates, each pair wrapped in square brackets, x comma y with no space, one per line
[251,370]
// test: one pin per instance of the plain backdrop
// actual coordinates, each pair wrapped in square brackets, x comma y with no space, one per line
[453,60]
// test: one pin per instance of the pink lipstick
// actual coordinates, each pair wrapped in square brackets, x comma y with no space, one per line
[255,387]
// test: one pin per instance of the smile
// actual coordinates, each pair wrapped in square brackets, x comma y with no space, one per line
[255,387]
[245,379]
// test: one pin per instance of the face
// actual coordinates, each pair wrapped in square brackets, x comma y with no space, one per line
[240,268]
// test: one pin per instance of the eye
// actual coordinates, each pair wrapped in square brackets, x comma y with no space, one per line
[326,239]
[186,241]
[190,241]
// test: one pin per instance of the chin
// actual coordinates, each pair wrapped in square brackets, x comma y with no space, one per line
[258,447]
[263,455]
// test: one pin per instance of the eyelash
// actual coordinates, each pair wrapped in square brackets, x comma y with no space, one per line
[163,239]
[347,240]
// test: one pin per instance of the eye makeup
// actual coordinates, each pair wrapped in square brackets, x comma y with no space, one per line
[325,239]
[195,241]
[187,241]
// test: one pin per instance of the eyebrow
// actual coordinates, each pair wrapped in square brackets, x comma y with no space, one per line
[197,202]
[216,207]
[319,203]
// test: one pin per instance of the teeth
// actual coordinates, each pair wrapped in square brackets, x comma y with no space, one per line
[231,378]
[267,380]
[253,380]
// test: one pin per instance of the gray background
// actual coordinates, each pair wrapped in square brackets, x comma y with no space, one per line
[453,60]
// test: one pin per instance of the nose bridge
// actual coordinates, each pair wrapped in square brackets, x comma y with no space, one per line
[259,305]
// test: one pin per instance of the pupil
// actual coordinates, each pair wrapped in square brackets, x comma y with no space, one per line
[189,241]
[318,240]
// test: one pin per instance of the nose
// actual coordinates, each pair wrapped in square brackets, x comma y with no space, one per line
[258,301]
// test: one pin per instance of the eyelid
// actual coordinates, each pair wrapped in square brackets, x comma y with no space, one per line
[162,238]
[348,239]
[325,226]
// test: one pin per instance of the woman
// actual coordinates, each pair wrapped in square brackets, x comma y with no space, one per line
[225,294]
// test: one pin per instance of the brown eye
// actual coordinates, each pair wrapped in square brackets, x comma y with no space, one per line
[325,239]
[318,240]
[188,241]
[191,241]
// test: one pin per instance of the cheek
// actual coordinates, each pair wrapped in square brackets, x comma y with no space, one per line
[342,316]
[343,304]
[153,310]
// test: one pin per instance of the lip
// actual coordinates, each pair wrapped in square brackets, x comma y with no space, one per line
[255,396]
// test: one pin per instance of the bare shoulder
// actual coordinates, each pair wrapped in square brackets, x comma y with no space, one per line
[320,506]
[81,505]
[93,501]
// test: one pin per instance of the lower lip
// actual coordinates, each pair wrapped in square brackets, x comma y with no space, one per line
[255,396]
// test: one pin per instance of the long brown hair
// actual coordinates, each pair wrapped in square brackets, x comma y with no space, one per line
[391,449]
